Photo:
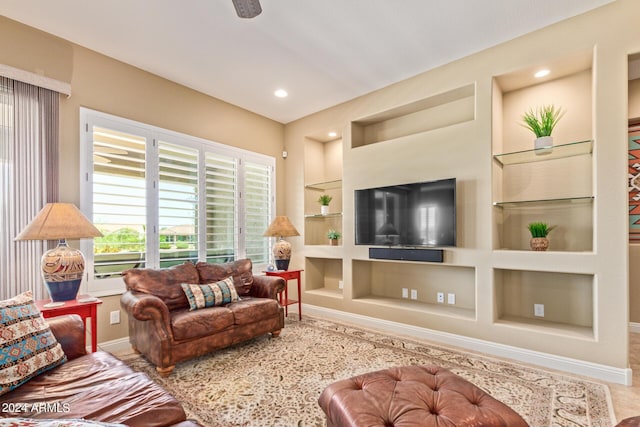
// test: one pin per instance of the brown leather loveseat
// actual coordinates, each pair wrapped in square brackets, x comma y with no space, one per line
[91,386]
[164,329]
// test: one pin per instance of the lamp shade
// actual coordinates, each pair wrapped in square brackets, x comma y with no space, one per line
[281,227]
[62,267]
[59,221]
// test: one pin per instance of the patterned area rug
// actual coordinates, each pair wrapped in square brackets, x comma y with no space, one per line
[277,382]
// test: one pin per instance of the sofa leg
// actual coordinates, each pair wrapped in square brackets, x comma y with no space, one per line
[165,372]
[276,334]
[135,350]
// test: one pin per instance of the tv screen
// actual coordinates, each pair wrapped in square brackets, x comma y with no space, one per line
[420,214]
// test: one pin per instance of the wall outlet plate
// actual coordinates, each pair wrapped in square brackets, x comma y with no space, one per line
[538,310]
[405,293]
[340,284]
[114,317]
[414,294]
[441,297]
[451,299]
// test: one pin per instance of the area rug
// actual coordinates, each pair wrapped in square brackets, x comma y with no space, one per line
[277,381]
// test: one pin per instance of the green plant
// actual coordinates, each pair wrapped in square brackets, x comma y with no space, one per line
[325,199]
[542,120]
[540,229]
[333,234]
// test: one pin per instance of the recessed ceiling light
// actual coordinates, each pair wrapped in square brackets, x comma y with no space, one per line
[332,134]
[542,73]
[281,93]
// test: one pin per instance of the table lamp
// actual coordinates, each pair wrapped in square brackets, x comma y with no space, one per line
[63,266]
[281,227]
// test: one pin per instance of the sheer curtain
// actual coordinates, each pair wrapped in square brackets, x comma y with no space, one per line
[29,121]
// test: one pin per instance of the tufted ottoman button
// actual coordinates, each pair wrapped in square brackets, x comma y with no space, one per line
[413,396]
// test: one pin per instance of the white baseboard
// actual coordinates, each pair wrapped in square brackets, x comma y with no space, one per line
[634,327]
[574,366]
[114,346]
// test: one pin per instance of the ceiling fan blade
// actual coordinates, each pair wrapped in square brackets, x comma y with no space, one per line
[247,8]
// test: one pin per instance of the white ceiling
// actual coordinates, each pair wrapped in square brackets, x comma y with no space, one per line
[323,52]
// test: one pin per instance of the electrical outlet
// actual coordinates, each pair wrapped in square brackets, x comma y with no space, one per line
[414,294]
[114,317]
[340,284]
[451,299]
[405,293]
[538,310]
[441,297]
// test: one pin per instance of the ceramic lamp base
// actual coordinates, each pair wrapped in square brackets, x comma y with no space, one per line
[62,270]
[282,264]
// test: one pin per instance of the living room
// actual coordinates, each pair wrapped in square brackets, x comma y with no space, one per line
[471,105]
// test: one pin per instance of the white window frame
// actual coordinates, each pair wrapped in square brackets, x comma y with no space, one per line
[90,118]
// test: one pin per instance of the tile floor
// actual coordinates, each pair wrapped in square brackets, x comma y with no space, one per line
[626,400]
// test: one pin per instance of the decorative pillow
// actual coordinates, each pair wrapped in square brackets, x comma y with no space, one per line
[27,345]
[210,294]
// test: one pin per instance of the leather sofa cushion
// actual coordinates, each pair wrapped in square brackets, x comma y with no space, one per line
[241,271]
[251,310]
[200,323]
[165,283]
[98,387]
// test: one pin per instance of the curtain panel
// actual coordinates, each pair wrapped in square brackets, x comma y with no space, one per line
[29,129]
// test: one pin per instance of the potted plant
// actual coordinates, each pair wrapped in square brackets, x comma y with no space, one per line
[333,236]
[541,122]
[324,201]
[539,232]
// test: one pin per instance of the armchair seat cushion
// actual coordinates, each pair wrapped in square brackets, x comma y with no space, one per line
[251,310]
[194,324]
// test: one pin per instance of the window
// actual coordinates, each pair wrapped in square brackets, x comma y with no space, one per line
[161,198]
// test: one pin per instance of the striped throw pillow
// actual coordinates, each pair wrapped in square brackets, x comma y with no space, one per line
[210,294]
[27,345]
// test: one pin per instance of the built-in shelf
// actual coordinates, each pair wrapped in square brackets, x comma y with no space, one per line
[546,327]
[320,216]
[438,111]
[520,203]
[544,154]
[419,306]
[324,186]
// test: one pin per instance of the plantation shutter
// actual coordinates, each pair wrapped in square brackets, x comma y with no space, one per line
[119,185]
[258,208]
[221,208]
[177,204]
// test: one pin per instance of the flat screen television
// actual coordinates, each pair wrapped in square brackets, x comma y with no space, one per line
[421,214]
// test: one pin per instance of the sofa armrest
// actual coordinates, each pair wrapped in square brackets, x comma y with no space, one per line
[69,332]
[267,286]
[143,307]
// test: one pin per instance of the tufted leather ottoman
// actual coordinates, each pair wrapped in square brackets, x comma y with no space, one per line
[413,396]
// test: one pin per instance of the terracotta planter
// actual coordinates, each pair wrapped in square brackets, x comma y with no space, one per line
[539,243]
[333,242]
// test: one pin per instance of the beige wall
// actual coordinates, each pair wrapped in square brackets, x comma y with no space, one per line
[634,249]
[599,111]
[104,84]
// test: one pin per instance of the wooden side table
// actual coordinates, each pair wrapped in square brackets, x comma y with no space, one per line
[76,306]
[289,275]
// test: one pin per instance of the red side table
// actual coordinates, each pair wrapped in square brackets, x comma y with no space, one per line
[289,275]
[76,306]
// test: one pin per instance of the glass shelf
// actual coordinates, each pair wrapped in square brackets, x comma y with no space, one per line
[542,154]
[329,215]
[322,186]
[585,199]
